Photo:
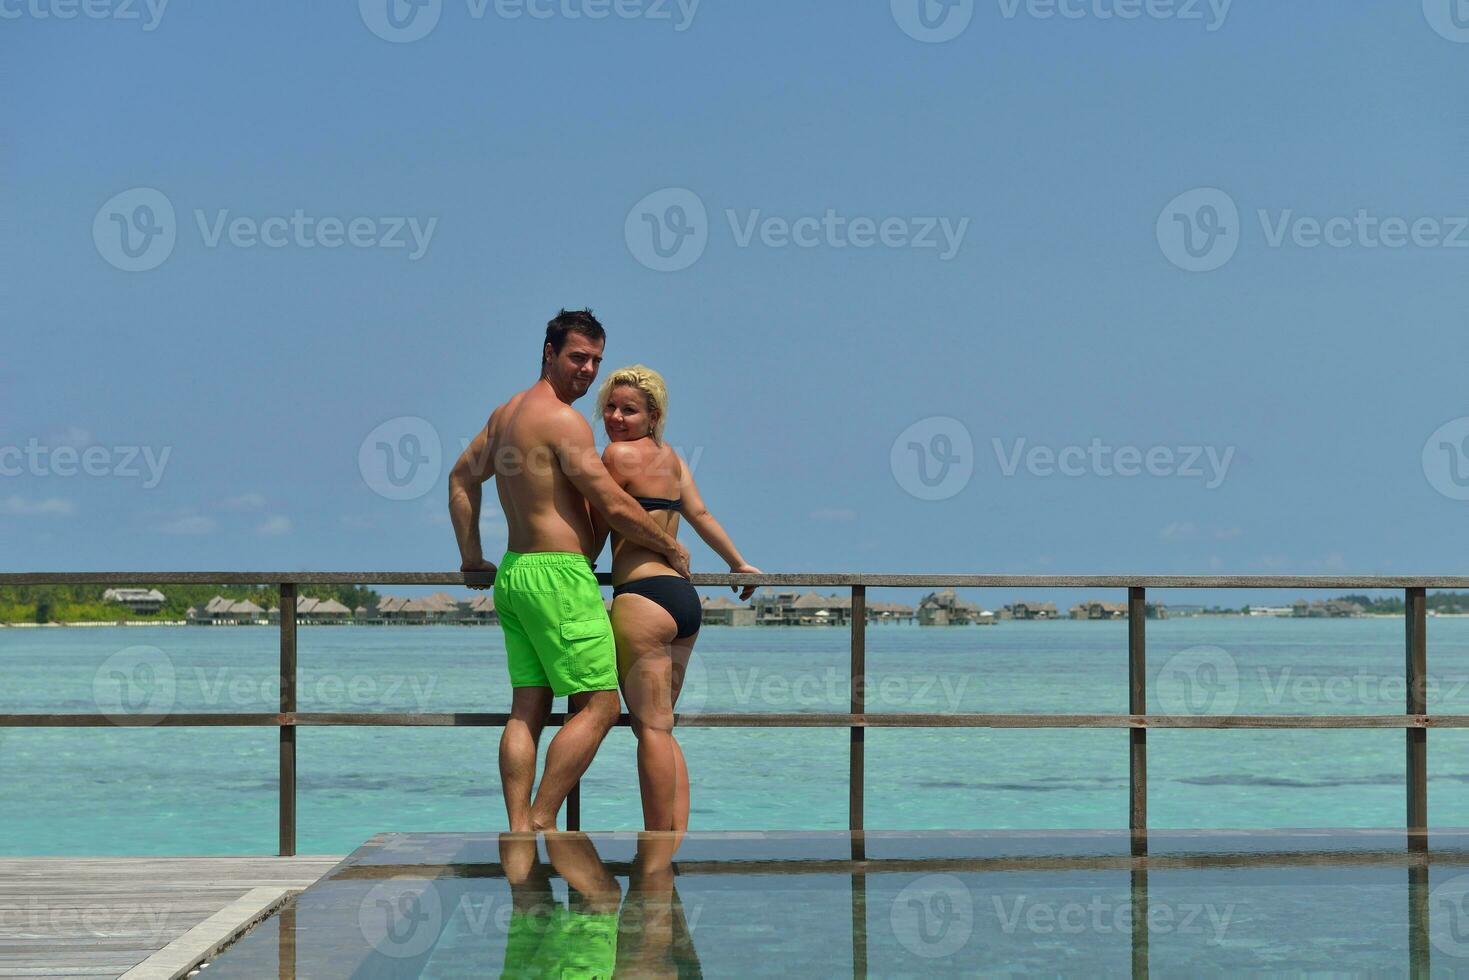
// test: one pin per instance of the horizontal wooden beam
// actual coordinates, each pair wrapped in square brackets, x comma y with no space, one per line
[979,581]
[493,719]
[1040,862]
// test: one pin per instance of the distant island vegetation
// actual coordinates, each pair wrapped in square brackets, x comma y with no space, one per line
[84,603]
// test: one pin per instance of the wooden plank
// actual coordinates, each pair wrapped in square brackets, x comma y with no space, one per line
[210,936]
[63,916]
[753,719]
[916,580]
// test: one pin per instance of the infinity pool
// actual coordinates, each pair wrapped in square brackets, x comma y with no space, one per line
[881,904]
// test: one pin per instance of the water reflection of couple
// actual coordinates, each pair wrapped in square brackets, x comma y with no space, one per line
[590,935]
[561,501]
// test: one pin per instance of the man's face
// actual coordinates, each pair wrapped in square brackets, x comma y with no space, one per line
[575,368]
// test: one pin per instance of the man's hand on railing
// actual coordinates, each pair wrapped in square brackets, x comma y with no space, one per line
[478,575]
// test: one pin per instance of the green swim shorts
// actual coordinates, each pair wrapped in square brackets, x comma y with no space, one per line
[557,633]
[560,943]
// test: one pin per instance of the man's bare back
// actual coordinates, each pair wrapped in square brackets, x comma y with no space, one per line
[543,510]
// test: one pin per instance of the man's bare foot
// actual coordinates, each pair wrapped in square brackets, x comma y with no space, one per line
[542,827]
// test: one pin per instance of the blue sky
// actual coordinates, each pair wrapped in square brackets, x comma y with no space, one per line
[529,153]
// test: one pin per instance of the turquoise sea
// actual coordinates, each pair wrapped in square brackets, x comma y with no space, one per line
[132,791]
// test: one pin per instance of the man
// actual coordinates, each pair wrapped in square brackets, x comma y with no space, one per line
[558,639]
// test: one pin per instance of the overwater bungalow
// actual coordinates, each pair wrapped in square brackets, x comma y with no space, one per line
[945,608]
[1030,610]
[226,612]
[724,611]
[1325,609]
[142,601]
[1099,609]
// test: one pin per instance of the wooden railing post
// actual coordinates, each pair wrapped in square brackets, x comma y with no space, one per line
[857,781]
[856,769]
[288,732]
[1415,618]
[1137,704]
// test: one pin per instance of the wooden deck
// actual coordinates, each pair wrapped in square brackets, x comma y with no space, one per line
[102,917]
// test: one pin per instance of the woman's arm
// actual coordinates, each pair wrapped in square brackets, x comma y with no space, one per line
[615,458]
[710,530]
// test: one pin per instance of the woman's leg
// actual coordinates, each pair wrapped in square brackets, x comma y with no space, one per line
[681,652]
[644,631]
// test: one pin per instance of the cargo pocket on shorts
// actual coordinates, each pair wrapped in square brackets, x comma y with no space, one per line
[587,642]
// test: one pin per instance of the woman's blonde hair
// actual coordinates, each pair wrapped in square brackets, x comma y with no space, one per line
[646,380]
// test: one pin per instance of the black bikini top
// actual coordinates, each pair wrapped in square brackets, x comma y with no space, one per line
[659,503]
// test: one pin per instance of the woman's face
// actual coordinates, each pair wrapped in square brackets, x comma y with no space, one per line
[626,414]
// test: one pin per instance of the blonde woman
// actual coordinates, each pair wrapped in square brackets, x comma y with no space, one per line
[655,611]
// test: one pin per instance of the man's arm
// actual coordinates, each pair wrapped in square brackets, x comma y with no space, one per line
[466,490]
[572,439]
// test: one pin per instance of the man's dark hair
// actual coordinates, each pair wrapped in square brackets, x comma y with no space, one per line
[571,321]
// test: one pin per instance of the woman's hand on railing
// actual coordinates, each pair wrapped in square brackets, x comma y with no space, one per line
[744,568]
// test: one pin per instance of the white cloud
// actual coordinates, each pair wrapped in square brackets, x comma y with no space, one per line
[274,525]
[245,501]
[1179,531]
[74,436]
[24,507]
[188,524]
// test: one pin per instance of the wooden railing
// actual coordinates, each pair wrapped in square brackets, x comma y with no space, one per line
[1415,719]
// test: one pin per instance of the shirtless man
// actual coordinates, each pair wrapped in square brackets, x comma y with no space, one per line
[558,640]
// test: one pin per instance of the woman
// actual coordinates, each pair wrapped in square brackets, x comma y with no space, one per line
[655,611]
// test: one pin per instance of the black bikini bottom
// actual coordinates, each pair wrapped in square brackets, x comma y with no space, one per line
[674,594]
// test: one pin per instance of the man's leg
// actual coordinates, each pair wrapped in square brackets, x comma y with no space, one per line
[571,752]
[529,708]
